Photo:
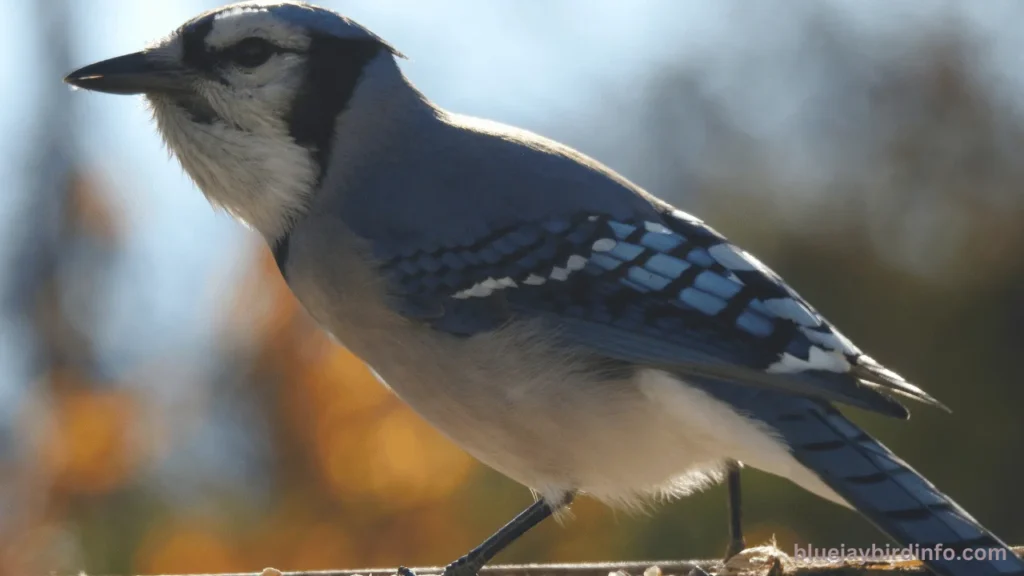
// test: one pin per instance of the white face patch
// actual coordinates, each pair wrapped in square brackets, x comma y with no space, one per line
[243,159]
[237,136]
[254,21]
[260,176]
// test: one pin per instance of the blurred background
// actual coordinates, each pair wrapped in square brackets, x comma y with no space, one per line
[166,407]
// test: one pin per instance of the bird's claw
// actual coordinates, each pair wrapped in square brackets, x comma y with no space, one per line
[461,567]
[735,547]
[698,571]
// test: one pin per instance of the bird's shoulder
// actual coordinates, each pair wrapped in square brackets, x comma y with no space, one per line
[448,179]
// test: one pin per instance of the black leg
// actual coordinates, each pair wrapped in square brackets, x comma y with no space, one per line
[471,563]
[736,543]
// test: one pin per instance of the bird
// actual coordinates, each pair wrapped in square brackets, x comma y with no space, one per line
[559,323]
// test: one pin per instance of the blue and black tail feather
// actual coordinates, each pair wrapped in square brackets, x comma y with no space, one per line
[881,486]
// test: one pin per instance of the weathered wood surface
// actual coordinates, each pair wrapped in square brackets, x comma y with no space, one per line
[759,561]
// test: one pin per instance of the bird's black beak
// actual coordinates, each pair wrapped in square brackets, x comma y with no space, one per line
[137,73]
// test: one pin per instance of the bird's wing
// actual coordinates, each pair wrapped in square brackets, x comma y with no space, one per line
[669,293]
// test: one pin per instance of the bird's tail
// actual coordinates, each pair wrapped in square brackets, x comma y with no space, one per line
[886,490]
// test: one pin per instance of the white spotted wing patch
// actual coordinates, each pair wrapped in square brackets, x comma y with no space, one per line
[656,228]
[487,287]
[829,350]
[687,217]
[793,310]
[737,259]
[661,237]
[575,262]
[831,339]
[817,359]
[649,256]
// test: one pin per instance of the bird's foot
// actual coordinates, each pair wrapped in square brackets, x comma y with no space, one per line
[698,571]
[464,566]
[735,547]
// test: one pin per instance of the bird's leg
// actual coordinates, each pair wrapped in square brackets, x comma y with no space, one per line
[471,563]
[736,543]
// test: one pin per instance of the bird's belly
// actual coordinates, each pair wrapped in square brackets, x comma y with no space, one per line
[553,426]
[526,407]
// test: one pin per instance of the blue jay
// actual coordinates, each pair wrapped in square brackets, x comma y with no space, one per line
[557,322]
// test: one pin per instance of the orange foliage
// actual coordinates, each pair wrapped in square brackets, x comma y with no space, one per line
[592,529]
[427,535]
[89,447]
[91,210]
[186,546]
[323,546]
[367,444]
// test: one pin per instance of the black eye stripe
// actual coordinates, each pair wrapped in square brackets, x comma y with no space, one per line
[195,54]
[199,56]
[333,68]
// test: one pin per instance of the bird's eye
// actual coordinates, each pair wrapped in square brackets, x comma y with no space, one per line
[251,52]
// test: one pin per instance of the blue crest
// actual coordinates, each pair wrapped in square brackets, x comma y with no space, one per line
[313,18]
[319,20]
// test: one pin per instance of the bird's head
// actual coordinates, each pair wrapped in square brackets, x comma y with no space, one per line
[248,98]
